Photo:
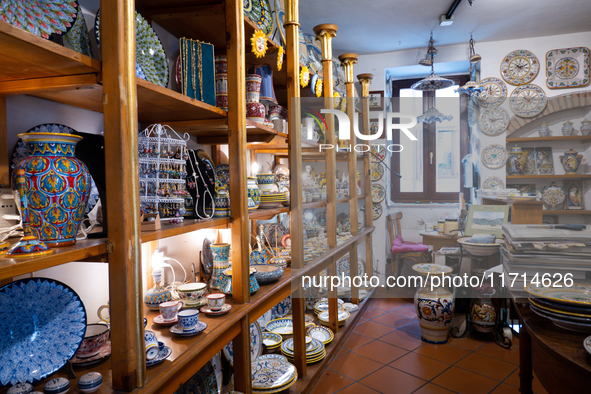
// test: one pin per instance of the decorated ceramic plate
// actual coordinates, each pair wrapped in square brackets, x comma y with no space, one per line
[280,19]
[207,257]
[587,344]
[275,233]
[40,17]
[199,328]
[257,258]
[208,311]
[205,381]
[568,309]
[321,333]
[378,193]
[259,12]
[494,156]
[77,38]
[282,308]
[432,269]
[272,357]
[493,182]
[376,211]
[313,347]
[271,373]
[222,172]
[280,326]
[342,316]
[559,313]
[377,171]
[344,267]
[493,121]
[576,294]
[519,67]
[256,344]
[152,64]
[315,59]
[494,93]
[266,318]
[42,323]
[163,354]
[563,322]
[378,153]
[161,322]
[271,340]
[528,100]
[567,68]
[303,50]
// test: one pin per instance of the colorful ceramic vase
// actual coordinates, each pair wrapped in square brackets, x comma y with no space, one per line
[221,82]
[567,128]
[255,112]
[254,193]
[221,257]
[483,315]
[158,294]
[553,195]
[544,130]
[58,186]
[586,127]
[571,161]
[435,309]
[516,161]
[253,88]
[222,204]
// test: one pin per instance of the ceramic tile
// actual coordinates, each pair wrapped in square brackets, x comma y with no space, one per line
[464,382]
[341,352]
[487,366]
[491,349]
[389,304]
[381,352]
[370,312]
[355,340]
[394,320]
[430,388]
[419,366]
[357,388]
[354,366]
[386,379]
[446,353]
[505,389]
[413,327]
[408,311]
[403,339]
[373,329]
[467,343]
[330,382]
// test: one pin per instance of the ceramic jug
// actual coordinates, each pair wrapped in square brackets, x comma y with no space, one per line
[571,161]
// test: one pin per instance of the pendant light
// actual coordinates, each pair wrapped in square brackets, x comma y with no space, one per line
[432,82]
[433,115]
[471,87]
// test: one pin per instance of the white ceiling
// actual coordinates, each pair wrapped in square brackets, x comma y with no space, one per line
[373,26]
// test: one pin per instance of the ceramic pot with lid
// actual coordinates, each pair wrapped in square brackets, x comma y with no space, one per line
[571,161]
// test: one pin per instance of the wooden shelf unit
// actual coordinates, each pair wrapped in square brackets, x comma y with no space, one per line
[564,176]
[567,212]
[585,139]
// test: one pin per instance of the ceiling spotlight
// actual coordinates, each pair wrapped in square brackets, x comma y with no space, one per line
[445,21]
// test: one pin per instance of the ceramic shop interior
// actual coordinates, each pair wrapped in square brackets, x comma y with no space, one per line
[170,208]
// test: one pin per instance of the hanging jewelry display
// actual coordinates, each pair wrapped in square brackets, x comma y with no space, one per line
[201,182]
[197,70]
[162,155]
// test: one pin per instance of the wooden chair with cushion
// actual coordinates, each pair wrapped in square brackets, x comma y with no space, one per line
[394,229]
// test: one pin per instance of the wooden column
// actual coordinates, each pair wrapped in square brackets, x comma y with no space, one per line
[365,80]
[325,33]
[348,60]
[292,64]
[4,160]
[238,192]
[120,115]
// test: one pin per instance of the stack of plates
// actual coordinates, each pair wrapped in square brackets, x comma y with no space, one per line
[566,307]
[273,200]
[281,326]
[342,316]
[315,350]
[271,340]
[322,306]
[272,375]
[323,334]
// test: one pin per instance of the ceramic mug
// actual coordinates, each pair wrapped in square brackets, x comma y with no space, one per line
[188,319]
[216,301]
[151,343]
[169,309]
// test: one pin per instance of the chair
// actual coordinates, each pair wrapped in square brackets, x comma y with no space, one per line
[394,229]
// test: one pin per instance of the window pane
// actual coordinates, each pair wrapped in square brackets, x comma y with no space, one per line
[447,148]
[411,157]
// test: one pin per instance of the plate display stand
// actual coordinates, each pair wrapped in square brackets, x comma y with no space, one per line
[162,161]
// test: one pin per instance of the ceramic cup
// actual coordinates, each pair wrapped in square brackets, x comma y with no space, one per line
[99,312]
[95,337]
[216,301]
[169,309]
[151,343]
[188,319]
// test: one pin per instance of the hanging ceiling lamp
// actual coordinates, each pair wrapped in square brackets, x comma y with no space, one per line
[432,82]
[433,115]
[471,87]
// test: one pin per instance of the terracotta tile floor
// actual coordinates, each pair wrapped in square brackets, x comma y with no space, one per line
[385,354]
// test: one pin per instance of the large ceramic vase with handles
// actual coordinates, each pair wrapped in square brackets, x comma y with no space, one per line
[58,186]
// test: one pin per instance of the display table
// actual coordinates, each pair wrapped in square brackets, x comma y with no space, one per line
[557,356]
[437,240]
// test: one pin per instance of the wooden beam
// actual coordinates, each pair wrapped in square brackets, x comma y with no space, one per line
[160,14]
[29,86]
[4,159]
[121,152]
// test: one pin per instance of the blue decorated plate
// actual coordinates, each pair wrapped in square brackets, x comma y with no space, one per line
[323,334]
[272,356]
[42,323]
[40,17]
[259,12]
[203,382]
[315,58]
[256,344]
[313,349]
[344,266]
[77,38]
[266,318]
[200,327]
[163,354]
[280,326]
[283,308]
[272,340]
[271,373]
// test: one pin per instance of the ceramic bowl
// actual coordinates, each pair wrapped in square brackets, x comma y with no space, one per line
[267,273]
[96,336]
[90,382]
[57,386]
[278,262]
[191,291]
[20,388]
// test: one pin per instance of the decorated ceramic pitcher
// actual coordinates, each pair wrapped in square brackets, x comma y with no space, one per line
[571,161]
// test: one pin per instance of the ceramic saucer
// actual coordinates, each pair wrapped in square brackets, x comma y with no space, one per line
[225,309]
[160,321]
[103,354]
[176,329]
[162,355]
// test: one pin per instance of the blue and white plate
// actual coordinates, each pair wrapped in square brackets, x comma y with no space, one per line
[270,374]
[256,344]
[266,318]
[282,309]
[77,38]
[314,348]
[163,354]
[280,326]
[40,17]
[42,323]
[344,266]
[200,327]
[272,340]
[341,316]
[272,357]
[203,382]
[323,334]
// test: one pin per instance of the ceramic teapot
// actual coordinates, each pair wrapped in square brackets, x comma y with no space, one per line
[571,161]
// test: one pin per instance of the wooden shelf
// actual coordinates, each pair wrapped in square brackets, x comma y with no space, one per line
[187,226]
[564,176]
[562,138]
[314,204]
[88,249]
[568,212]
[266,214]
